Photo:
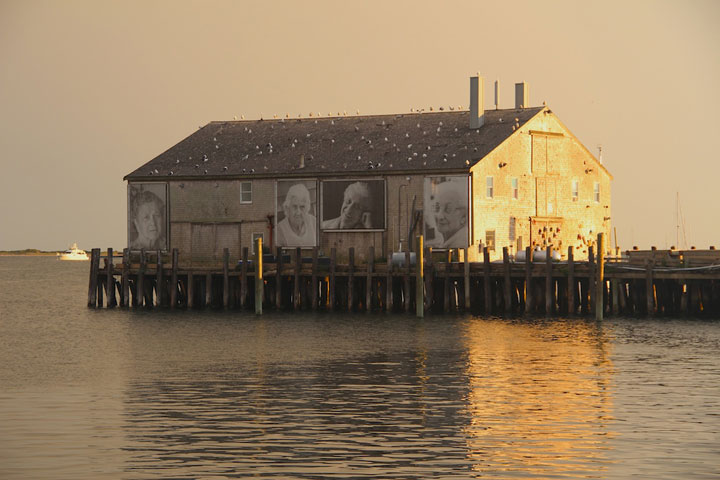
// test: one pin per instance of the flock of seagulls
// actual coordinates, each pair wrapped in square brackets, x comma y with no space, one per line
[270,149]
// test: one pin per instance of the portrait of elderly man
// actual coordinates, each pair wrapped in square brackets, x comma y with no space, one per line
[297,228]
[448,211]
[355,210]
[147,219]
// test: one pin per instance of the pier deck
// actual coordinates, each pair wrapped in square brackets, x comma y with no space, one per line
[649,282]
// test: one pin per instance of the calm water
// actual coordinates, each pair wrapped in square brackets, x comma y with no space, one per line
[92,394]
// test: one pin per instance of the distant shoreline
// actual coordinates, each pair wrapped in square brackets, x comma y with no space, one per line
[28,252]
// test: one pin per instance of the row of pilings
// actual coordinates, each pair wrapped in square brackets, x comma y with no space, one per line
[435,282]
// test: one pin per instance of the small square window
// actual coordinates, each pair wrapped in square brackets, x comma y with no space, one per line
[596,190]
[575,190]
[514,187]
[489,187]
[245,192]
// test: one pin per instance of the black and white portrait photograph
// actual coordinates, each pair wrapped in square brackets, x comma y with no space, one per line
[353,205]
[147,216]
[296,213]
[446,211]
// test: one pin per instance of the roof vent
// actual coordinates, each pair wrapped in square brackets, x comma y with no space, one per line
[477,102]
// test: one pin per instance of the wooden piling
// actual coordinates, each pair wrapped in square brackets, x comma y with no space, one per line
[208,289]
[507,281]
[296,284]
[243,278]
[92,284]
[389,285]
[331,287]
[549,286]
[600,278]
[159,290]
[110,283]
[140,287]
[100,290]
[259,285]
[528,280]
[226,278]
[406,282]
[591,279]
[466,279]
[190,290]
[350,279]
[649,291]
[600,282]
[174,278]
[369,278]
[572,283]
[486,281]
[419,278]
[446,283]
[278,277]
[125,279]
[428,272]
[313,281]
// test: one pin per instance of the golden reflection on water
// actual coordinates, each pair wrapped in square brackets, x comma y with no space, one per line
[540,398]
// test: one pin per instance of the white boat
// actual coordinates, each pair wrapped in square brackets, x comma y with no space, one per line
[73,253]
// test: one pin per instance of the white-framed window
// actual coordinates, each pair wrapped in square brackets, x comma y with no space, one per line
[255,237]
[489,187]
[575,189]
[596,192]
[514,188]
[245,192]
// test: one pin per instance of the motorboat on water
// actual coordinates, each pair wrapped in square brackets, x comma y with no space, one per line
[73,253]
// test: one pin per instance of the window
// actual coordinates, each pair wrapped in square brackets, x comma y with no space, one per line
[245,192]
[575,190]
[255,237]
[490,239]
[489,190]
[514,187]
[511,230]
[596,190]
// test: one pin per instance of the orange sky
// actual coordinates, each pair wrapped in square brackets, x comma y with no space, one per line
[90,90]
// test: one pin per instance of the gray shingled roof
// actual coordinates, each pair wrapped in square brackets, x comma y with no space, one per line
[440,141]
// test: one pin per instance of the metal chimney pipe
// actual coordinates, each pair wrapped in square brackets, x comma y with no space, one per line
[522,95]
[477,102]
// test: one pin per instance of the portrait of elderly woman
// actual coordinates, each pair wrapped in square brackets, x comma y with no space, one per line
[296,222]
[353,205]
[147,227]
[446,212]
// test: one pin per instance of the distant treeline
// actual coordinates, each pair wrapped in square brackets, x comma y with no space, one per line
[28,251]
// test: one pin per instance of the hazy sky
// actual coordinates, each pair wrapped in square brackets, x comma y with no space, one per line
[90,90]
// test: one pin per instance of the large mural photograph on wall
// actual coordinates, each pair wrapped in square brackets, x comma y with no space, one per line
[147,216]
[353,204]
[296,207]
[446,213]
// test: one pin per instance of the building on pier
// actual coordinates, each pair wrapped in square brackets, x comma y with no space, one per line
[512,177]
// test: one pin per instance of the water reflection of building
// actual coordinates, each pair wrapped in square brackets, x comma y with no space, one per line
[540,398]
